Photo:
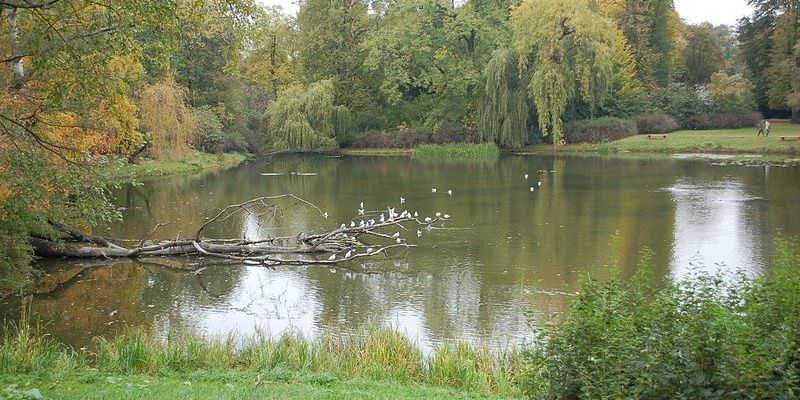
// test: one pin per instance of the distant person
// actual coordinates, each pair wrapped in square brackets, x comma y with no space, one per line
[764,128]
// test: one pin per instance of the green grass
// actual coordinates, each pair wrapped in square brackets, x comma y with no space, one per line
[731,141]
[377,152]
[457,151]
[379,363]
[231,385]
[153,168]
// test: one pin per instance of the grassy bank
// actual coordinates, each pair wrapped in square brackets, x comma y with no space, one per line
[730,141]
[378,364]
[153,168]
[459,151]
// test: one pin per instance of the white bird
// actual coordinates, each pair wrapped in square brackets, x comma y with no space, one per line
[361,223]
[332,270]
[416,214]
[419,233]
[352,224]
[343,226]
[450,192]
[446,216]
[361,205]
[526,177]
[427,219]
[396,235]
[348,254]
[370,250]
[325,215]
[332,257]
[438,214]
[540,184]
[433,190]
[402,200]
[399,240]
[532,189]
[372,221]
[382,219]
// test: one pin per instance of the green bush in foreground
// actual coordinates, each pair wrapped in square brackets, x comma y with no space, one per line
[457,151]
[701,338]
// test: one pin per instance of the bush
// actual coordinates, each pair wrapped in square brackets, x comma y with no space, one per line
[724,120]
[454,134]
[598,130]
[408,139]
[705,337]
[683,102]
[386,140]
[210,136]
[656,124]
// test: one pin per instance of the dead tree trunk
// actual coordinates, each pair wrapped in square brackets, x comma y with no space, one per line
[345,243]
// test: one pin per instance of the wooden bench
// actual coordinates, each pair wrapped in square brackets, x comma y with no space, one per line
[789,138]
[657,137]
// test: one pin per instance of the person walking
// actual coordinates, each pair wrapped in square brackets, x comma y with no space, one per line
[764,128]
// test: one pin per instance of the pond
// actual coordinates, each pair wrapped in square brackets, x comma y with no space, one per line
[510,259]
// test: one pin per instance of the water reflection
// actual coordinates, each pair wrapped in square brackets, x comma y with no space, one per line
[716,228]
[511,261]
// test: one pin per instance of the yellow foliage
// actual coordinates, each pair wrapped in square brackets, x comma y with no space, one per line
[167,120]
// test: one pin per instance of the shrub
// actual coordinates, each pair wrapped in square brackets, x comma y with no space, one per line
[724,120]
[598,130]
[386,140]
[682,102]
[210,136]
[656,123]
[706,337]
[454,134]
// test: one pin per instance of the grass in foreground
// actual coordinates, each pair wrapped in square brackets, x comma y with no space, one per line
[734,141]
[379,364]
[198,162]
[457,151]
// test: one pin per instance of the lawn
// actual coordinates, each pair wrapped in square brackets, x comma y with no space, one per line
[222,385]
[734,141]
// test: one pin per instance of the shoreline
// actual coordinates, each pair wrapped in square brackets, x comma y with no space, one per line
[150,169]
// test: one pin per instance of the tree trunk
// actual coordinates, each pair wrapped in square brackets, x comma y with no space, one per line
[795,115]
[16,52]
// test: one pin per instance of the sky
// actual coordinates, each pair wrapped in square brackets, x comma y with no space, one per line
[694,11]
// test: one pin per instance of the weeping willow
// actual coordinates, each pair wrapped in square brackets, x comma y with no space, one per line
[503,111]
[304,118]
[569,46]
[168,120]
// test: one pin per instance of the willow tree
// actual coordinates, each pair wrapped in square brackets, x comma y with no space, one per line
[569,46]
[503,109]
[305,118]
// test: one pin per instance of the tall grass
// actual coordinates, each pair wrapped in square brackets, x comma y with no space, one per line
[378,354]
[704,337]
[457,151]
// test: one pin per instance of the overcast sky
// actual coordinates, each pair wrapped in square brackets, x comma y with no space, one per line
[715,11]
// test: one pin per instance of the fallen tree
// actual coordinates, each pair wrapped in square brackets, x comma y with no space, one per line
[345,243]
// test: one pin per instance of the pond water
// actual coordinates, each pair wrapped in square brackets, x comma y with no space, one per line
[511,260]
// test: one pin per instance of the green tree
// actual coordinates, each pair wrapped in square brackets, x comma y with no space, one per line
[305,118]
[703,55]
[331,37]
[649,27]
[503,111]
[569,47]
